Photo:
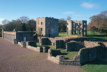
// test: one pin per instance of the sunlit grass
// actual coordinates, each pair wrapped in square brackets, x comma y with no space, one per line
[95,67]
[69,55]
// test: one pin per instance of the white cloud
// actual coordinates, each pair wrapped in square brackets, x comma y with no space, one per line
[69,12]
[89,5]
[1,19]
[73,13]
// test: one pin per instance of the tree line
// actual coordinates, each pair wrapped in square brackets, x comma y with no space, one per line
[99,22]
[25,24]
[21,24]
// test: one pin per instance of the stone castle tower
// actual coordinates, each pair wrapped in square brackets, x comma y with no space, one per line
[48,26]
[77,27]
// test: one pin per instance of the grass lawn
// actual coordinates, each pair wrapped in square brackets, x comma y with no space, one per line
[64,34]
[95,67]
[52,47]
[96,36]
[69,55]
[91,36]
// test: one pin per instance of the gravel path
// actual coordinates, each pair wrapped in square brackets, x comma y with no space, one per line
[13,58]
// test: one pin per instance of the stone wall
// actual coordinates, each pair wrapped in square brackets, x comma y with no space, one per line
[77,27]
[54,57]
[60,44]
[19,36]
[59,59]
[29,36]
[93,52]
[9,36]
[74,46]
[45,41]
[30,45]
[47,26]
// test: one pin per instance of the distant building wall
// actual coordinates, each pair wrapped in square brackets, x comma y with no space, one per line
[29,36]
[48,26]
[19,36]
[9,35]
[77,27]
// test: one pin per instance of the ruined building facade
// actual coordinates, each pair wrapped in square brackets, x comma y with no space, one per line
[77,27]
[47,26]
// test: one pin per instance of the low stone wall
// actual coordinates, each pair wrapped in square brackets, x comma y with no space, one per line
[93,52]
[45,41]
[37,49]
[74,46]
[21,34]
[32,43]
[70,62]
[9,36]
[56,59]
[59,59]
[60,44]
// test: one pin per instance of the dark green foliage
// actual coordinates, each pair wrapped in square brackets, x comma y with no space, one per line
[62,25]
[24,27]
[19,26]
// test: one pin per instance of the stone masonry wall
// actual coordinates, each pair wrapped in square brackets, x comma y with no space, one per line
[20,36]
[90,54]
[47,26]
[59,59]
[74,46]
[45,41]
[60,44]
[9,36]
[30,45]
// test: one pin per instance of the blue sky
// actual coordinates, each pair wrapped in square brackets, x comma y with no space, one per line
[76,9]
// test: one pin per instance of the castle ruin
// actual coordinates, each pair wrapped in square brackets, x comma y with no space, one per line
[48,26]
[77,27]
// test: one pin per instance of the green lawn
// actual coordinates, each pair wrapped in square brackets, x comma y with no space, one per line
[64,34]
[69,55]
[95,67]
[38,44]
[91,36]
[52,47]
[96,36]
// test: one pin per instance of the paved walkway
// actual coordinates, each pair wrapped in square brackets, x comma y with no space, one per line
[13,58]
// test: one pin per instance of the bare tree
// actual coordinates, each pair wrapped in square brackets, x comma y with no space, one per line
[68,18]
[5,22]
[99,22]
[23,19]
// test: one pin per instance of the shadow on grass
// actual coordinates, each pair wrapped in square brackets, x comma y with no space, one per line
[97,35]
[95,39]
[99,38]
[98,63]
[89,38]
[63,53]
